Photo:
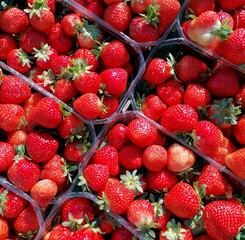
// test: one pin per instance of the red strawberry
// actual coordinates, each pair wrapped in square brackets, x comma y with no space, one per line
[117,136]
[8,21]
[141,132]
[24,174]
[139,6]
[7,43]
[108,155]
[239,130]
[182,200]
[7,154]
[118,15]
[228,5]
[43,192]
[88,233]
[226,17]
[59,64]
[4,228]
[130,156]
[111,104]
[17,137]
[223,219]
[121,233]
[179,118]
[60,232]
[97,8]
[75,151]
[190,69]
[70,24]
[235,162]
[238,18]
[240,97]
[116,196]
[197,7]
[50,4]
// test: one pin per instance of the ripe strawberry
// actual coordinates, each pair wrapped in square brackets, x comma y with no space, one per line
[11,204]
[190,69]
[223,219]
[226,17]
[111,104]
[31,102]
[70,23]
[27,222]
[8,21]
[7,154]
[121,233]
[197,7]
[203,237]
[114,80]
[114,54]
[4,228]
[14,90]
[141,132]
[229,6]
[161,181]
[89,233]
[182,200]
[97,8]
[155,157]
[17,137]
[19,60]
[12,117]
[116,196]
[235,162]
[60,232]
[179,118]
[139,6]
[153,107]
[118,15]
[238,18]
[179,158]
[162,215]
[158,71]
[50,4]
[43,192]
[75,151]
[131,157]
[171,92]
[107,223]
[59,64]
[47,113]
[108,155]
[196,96]
[223,83]
[7,43]
[240,97]
[117,136]
[88,106]
[239,130]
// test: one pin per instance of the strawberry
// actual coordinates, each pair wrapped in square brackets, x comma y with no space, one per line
[43,192]
[59,64]
[97,8]
[179,118]
[74,151]
[7,43]
[19,60]
[121,233]
[161,181]
[240,97]
[155,157]
[190,69]
[179,158]
[108,155]
[226,17]
[238,18]
[171,92]
[157,71]
[139,6]
[41,146]
[27,222]
[229,6]
[49,3]
[114,54]
[7,154]
[70,23]
[223,219]
[111,104]
[223,83]
[213,181]
[24,174]
[196,96]
[8,21]
[88,105]
[89,233]
[115,81]
[47,113]
[12,117]
[11,204]
[31,102]
[239,130]
[31,39]
[203,237]
[60,232]
[182,200]
[116,196]
[141,132]
[118,15]
[235,161]
[131,156]
[197,7]
[4,228]
[117,136]
[14,90]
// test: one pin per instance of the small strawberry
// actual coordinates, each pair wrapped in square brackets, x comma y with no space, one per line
[7,154]
[117,136]
[240,97]
[182,200]
[4,228]
[59,64]
[111,104]
[239,130]
[197,7]
[17,137]
[121,233]
[75,151]
[70,23]
[60,232]
[7,43]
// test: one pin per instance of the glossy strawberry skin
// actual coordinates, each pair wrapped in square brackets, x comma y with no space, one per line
[60,232]
[86,233]
[7,43]
[198,7]
[7,155]
[117,136]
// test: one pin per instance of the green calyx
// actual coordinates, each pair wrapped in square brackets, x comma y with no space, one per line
[24,58]
[36,8]
[152,15]
[88,30]
[3,200]
[222,31]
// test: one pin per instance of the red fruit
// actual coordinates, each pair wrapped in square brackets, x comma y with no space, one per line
[121,233]
[224,83]
[235,162]
[182,200]
[24,174]
[50,4]
[60,62]
[43,192]
[155,158]
[60,232]
[17,137]
[4,228]
[118,15]
[190,69]
[179,118]
[7,43]
[226,17]
[74,151]
[97,8]
[227,5]
[117,136]
[179,158]
[88,105]
[13,20]
[240,97]
[111,104]
[163,217]
[158,71]
[239,130]
[108,155]
[238,18]
[223,219]
[141,132]
[197,7]
[130,156]
[7,154]
[88,233]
